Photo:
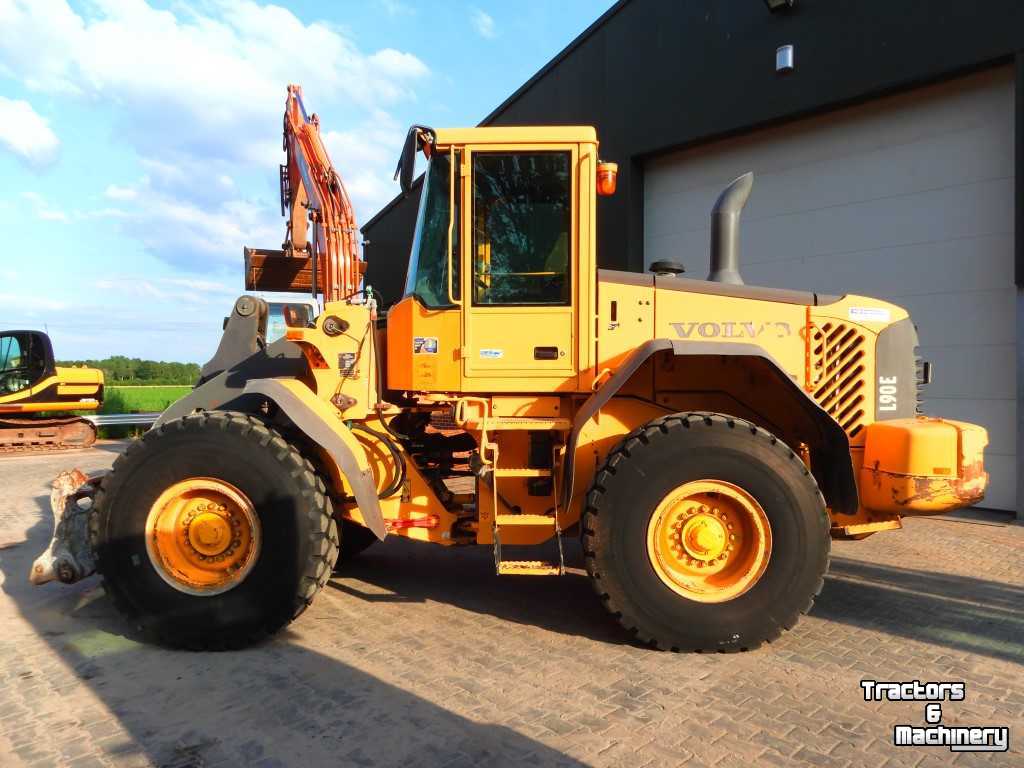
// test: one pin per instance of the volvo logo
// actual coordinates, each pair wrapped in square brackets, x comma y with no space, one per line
[731,330]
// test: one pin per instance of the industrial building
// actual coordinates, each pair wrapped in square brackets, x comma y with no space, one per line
[886,142]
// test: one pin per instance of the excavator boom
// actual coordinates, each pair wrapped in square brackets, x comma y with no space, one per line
[321,249]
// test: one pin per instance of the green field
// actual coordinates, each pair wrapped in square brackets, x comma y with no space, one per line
[140,399]
[137,399]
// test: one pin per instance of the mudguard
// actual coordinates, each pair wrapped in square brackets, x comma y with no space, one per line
[323,425]
[841,492]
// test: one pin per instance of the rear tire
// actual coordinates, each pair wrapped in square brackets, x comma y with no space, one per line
[298,539]
[687,450]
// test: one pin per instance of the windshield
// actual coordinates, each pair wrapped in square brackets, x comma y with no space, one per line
[428,262]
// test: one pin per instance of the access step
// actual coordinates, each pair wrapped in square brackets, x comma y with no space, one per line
[530,423]
[521,472]
[528,567]
[509,521]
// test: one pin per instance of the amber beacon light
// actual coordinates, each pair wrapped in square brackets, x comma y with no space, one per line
[607,177]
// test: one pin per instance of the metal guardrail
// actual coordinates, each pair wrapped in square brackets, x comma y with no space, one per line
[124,419]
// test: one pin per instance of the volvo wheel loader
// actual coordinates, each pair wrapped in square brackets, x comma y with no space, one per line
[33,387]
[704,438]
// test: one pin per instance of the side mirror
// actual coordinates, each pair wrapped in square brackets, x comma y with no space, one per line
[407,160]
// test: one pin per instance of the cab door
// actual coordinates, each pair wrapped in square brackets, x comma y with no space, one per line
[520,281]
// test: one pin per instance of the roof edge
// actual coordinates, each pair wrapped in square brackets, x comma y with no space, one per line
[540,73]
[557,59]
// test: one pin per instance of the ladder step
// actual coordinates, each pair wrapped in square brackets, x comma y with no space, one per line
[514,520]
[528,568]
[532,423]
[521,472]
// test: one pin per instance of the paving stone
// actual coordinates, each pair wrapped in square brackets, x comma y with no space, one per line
[417,656]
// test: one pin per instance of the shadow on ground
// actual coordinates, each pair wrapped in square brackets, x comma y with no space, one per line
[272,705]
[955,612]
[410,572]
[958,612]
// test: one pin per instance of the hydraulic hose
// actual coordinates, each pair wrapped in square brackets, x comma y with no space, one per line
[396,454]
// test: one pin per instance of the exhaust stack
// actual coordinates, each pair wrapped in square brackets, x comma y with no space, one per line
[725,231]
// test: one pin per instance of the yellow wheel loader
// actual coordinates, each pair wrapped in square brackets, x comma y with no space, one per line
[704,438]
[32,387]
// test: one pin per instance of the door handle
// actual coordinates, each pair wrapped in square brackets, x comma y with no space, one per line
[545,353]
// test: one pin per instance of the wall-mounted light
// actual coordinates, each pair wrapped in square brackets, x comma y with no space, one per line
[784,59]
[779,5]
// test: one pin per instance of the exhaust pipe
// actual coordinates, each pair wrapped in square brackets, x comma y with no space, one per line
[725,231]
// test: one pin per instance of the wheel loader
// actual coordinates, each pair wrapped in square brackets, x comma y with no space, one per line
[705,439]
[33,388]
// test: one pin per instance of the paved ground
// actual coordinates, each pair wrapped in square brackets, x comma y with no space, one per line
[418,657]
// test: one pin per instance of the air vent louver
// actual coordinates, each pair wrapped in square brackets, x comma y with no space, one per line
[836,367]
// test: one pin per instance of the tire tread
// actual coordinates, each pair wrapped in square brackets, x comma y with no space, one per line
[598,490]
[324,552]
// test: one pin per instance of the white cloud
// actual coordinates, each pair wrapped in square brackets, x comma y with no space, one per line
[197,93]
[483,23]
[360,153]
[396,8]
[115,192]
[43,210]
[170,290]
[29,305]
[26,133]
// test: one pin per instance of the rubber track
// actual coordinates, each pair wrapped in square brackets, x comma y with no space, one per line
[326,544]
[680,422]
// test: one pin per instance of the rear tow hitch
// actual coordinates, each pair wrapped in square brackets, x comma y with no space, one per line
[69,557]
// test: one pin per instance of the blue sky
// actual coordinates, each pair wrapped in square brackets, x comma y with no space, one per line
[139,141]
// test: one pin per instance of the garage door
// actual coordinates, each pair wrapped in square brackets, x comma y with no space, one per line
[908,198]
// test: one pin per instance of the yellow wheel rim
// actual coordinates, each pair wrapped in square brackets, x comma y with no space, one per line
[202,536]
[709,541]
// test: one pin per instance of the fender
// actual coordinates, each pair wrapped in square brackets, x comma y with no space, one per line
[323,425]
[841,492]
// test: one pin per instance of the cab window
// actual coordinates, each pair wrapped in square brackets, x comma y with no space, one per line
[10,353]
[427,278]
[521,228]
[22,361]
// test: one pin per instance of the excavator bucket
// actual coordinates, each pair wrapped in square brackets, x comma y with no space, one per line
[69,556]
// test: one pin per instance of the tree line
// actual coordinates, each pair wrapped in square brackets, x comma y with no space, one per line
[132,370]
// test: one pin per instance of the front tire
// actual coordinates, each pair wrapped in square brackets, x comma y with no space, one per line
[703,532]
[213,532]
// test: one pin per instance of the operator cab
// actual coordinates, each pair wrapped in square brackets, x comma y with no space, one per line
[26,357]
[500,275]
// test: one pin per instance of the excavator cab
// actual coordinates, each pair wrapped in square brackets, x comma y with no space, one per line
[25,359]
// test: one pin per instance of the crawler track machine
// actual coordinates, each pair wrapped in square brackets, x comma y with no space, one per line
[34,391]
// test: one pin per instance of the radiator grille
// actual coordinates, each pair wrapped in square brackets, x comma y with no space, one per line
[836,372]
